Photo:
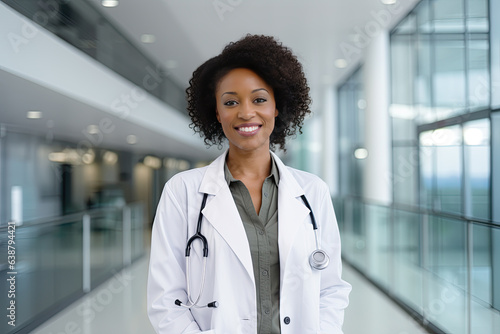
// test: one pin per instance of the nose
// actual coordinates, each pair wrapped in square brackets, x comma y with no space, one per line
[246,111]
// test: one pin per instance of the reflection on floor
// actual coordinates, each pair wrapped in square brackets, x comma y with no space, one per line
[370,311]
[119,306]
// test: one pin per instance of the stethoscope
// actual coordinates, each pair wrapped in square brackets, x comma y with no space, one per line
[318,259]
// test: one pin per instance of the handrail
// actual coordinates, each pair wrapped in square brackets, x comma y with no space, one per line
[421,210]
[69,218]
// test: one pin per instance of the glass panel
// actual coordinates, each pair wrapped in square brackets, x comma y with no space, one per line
[49,264]
[424,22]
[427,173]
[484,318]
[402,74]
[448,81]
[481,263]
[477,168]
[477,15]
[138,228]
[405,175]
[448,169]
[351,130]
[359,235]
[423,76]
[407,281]
[344,141]
[446,281]
[423,79]
[106,245]
[448,16]
[479,77]
[379,248]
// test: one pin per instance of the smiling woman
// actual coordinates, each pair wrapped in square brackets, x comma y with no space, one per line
[246,110]
[274,63]
[267,232]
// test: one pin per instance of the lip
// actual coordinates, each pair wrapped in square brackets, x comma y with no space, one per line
[248,131]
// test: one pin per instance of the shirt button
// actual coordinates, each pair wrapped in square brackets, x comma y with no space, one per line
[264,272]
[261,232]
[286,320]
[266,311]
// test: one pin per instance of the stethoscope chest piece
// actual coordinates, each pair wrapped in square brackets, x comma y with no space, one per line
[319,259]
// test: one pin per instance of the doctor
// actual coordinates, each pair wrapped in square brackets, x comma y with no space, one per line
[255,275]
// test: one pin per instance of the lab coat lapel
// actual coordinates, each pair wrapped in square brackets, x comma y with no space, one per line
[291,211]
[222,214]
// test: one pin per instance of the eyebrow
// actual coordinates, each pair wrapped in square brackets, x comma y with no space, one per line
[253,91]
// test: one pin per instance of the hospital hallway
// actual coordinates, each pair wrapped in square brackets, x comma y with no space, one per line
[103,311]
[390,109]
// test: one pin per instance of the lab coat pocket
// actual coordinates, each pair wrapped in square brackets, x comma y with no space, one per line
[212,331]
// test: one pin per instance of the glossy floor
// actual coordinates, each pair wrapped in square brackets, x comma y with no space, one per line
[119,306]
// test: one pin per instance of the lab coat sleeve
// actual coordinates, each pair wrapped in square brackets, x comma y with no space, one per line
[166,280]
[334,294]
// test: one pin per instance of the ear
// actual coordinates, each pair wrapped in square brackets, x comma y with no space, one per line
[276,113]
[217,114]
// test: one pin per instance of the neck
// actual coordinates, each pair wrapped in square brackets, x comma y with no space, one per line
[249,164]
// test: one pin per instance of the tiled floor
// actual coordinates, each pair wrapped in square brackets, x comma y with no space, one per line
[119,306]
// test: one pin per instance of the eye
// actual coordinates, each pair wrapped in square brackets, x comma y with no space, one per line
[260,100]
[230,103]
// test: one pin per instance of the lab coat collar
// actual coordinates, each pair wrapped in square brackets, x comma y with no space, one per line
[222,213]
[214,179]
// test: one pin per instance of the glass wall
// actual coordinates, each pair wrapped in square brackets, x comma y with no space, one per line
[440,81]
[435,248]
[351,105]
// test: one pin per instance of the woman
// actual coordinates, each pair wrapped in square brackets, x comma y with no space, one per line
[257,277]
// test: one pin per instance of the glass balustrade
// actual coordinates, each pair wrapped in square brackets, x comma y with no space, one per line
[438,266]
[58,260]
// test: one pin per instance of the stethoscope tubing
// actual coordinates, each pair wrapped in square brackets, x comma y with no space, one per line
[316,264]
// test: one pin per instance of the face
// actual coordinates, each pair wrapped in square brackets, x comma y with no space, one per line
[246,110]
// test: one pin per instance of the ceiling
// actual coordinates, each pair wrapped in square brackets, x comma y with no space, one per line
[188,32]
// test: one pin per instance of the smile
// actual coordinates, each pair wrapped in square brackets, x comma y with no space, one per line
[248,130]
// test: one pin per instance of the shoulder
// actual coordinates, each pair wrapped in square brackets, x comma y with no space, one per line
[186,180]
[305,178]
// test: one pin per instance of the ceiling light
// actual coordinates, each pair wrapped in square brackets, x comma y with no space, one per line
[388,2]
[109,3]
[57,157]
[152,162]
[340,63]
[93,129]
[148,38]
[362,104]
[361,153]
[34,114]
[132,139]
[110,158]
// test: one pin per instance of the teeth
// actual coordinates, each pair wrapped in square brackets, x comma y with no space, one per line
[248,129]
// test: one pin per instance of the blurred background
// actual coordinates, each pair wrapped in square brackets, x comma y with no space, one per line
[405,130]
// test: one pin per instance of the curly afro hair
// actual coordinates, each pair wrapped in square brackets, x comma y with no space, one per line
[274,63]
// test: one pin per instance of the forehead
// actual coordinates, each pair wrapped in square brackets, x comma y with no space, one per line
[241,78]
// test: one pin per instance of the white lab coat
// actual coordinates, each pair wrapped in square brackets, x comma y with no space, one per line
[311,301]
